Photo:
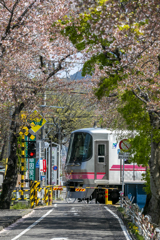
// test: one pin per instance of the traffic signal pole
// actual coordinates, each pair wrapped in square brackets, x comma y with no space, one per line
[22,165]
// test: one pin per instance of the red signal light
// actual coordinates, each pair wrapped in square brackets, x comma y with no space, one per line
[31,154]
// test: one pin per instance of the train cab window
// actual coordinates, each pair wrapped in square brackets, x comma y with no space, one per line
[80,147]
[101,153]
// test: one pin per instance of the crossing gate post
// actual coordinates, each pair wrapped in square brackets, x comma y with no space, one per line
[37,187]
[50,197]
[106,197]
[32,194]
[46,196]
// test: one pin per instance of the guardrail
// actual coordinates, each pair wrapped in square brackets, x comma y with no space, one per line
[146,228]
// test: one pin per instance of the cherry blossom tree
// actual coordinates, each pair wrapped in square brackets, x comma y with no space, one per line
[120,40]
[29,61]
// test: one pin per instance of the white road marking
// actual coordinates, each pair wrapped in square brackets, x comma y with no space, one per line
[72,209]
[31,226]
[59,239]
[126,234]
[7,229]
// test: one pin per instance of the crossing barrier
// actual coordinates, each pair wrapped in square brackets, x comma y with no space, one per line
[37,194]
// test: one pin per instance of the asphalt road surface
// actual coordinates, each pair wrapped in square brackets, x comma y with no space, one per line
[64,221]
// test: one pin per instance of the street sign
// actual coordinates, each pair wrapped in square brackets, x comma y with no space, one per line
[32,168]
[41,165]
[55,168]
[37,164]
[124,145]
[124,155]
[43,178]
[44,165]
[36,121]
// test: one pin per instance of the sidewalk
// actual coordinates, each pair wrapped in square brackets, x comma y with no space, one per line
[9,216]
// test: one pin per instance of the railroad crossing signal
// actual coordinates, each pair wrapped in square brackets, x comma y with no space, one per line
[32,149]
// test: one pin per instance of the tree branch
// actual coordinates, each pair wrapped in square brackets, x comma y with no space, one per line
[139,97]
[23,14]
[10,20]
[58,68]
[4,5]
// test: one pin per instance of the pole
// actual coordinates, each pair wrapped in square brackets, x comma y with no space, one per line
[22,166]
[49,166]
[46,163]
[59,159]
[106,196]
[51,162]
[123,184]
[59,169]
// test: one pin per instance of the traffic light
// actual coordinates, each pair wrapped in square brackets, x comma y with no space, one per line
[32,149]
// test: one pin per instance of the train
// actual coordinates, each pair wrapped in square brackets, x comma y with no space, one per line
[93,164]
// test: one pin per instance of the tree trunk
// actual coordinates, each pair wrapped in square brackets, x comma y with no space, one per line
[10,180]
[154,164]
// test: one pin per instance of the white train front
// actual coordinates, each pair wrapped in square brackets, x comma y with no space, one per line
[92,161]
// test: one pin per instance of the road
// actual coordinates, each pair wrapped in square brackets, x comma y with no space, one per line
[63,221]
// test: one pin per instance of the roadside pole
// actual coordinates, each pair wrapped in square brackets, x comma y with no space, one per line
[51,162]
[22,165]
[123,184]
[49,165]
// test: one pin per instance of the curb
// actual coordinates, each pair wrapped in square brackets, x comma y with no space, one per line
[9,222]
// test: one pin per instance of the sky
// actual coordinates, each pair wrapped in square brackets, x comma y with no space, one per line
[76,65]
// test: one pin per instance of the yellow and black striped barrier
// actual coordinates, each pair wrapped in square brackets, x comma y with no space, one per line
[32,194]
[46,196]
[47,193]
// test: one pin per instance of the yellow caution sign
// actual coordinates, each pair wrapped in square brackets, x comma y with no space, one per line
[36,122]
[80,189]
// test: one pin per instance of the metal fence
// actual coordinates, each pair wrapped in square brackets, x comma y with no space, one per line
[146,228]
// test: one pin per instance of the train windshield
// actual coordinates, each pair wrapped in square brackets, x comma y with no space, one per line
[80,147]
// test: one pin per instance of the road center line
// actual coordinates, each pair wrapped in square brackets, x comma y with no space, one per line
[126,234]
[31,226]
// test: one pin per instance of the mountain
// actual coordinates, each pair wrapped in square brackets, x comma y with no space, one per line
[78,76]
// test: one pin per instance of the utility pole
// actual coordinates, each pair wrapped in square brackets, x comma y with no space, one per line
[51,162]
